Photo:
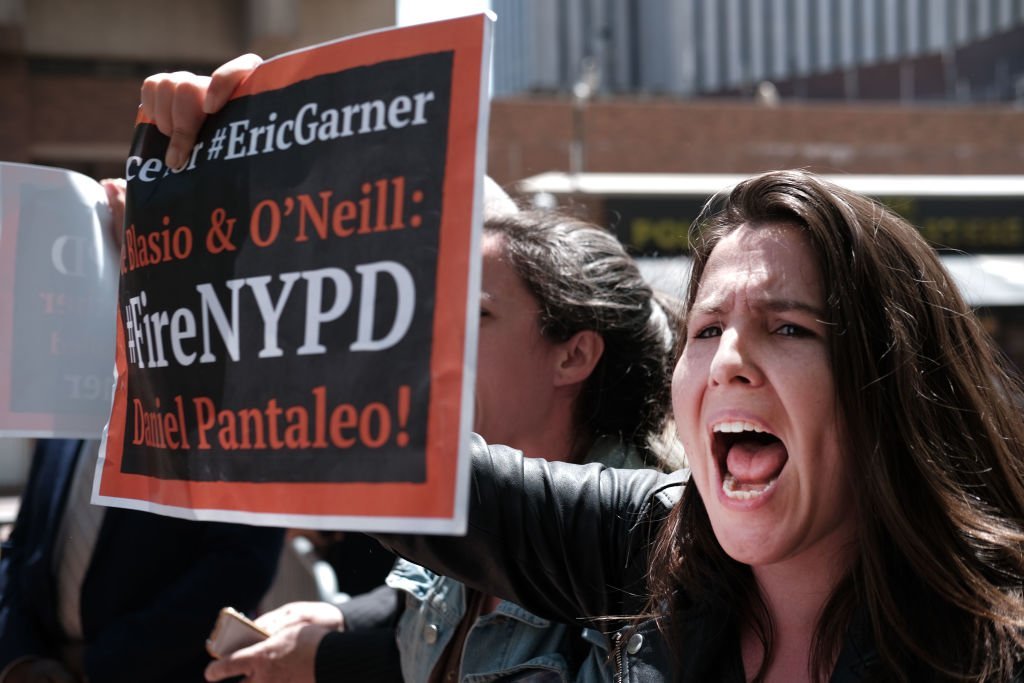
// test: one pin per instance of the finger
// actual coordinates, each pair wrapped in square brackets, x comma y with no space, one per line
[275,620]
[243,662]
[268,622]
[151,99]
[115,188]
[274,615]
[174,103]
[159,93]
[219,669]
[147,95]
[226,79]
[186,116]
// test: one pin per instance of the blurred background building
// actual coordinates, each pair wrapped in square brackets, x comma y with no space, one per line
[637,111]
[627,109]
[70,71]
[895,50]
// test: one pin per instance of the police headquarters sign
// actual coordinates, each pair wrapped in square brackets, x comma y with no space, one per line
[297,306]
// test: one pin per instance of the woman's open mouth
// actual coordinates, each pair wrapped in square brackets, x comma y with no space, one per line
[749,458]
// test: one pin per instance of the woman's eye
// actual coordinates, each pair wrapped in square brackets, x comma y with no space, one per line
[709,332]
[791,330]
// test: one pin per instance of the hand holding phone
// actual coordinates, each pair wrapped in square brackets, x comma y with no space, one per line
[232,632]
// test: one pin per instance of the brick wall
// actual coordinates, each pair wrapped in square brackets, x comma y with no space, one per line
[531,136]
[14,110]
[83,109]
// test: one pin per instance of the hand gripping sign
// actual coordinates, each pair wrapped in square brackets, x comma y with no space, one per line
[296,324]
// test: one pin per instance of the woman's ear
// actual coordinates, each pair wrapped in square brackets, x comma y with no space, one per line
[577,357]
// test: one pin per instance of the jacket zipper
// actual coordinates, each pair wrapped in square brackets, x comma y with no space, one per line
[619,677]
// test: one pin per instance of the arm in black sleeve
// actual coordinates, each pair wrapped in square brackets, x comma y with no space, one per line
[366,650]
[378,608]
[365,655]
[564,541]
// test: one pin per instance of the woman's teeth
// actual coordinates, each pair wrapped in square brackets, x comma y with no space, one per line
[734,427]
[745,491]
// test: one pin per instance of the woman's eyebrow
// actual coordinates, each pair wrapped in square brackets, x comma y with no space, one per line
[777,305]
[768,303]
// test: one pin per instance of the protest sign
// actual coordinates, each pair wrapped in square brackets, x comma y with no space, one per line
[58,281]
[297,310]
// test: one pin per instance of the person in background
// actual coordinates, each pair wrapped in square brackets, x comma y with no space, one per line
[108,594]
[581,284]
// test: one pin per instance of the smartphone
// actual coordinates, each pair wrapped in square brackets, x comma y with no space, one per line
[233,631]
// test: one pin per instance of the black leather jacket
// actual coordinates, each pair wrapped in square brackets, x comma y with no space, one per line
[570,542]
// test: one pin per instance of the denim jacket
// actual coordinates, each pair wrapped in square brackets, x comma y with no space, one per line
[507,644]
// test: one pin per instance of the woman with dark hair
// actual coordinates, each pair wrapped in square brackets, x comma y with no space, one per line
[857,458]
[580,278]
[914,488]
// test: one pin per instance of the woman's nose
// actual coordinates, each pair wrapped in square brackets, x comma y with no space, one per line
[733,362]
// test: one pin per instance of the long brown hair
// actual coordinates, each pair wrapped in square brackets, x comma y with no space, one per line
[932,427]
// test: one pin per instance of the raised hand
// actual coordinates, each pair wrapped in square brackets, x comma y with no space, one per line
[179,102]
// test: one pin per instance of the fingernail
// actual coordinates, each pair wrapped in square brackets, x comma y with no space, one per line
[174,159]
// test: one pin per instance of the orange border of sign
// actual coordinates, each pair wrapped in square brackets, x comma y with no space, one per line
[434,498]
